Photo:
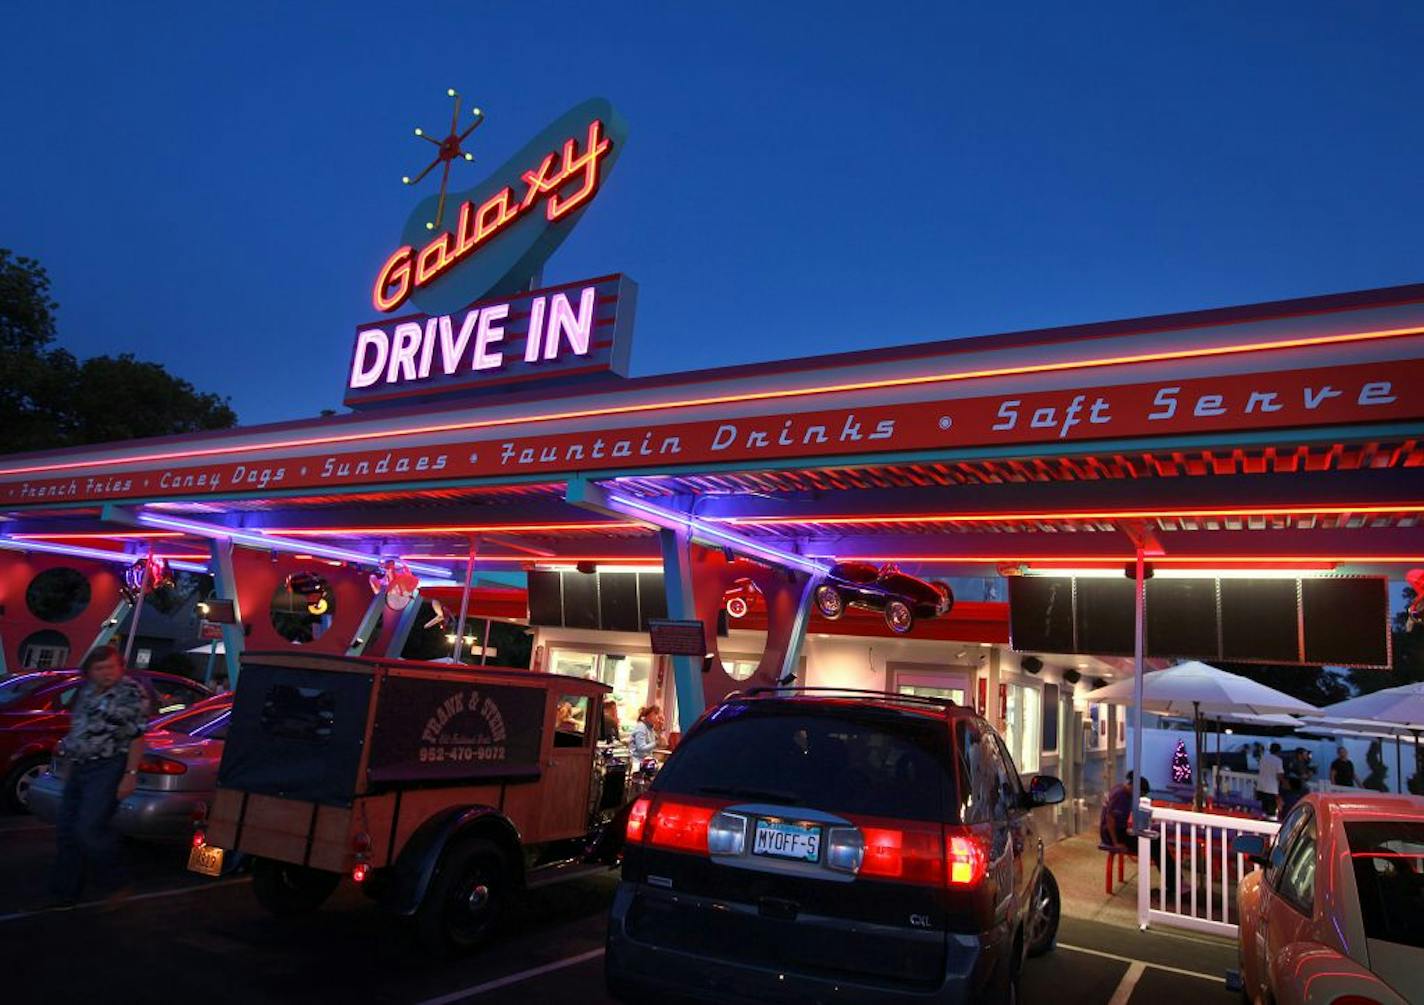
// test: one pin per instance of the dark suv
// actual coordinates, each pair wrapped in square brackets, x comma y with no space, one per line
[820,845]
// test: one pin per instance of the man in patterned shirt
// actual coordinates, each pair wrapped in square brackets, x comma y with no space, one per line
[104,746]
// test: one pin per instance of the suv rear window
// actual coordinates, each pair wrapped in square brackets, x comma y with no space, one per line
[1388,857]
[834,757]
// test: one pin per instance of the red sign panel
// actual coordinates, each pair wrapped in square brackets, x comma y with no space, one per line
[1367,392]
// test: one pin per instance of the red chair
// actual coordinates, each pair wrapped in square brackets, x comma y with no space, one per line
[1121,857]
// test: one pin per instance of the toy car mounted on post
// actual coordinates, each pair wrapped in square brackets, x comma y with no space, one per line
[901,597]
[442,792]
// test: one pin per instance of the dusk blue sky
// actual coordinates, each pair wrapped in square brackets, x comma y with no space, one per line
[214,187]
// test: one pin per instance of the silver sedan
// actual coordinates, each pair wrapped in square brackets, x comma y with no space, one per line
[177,776]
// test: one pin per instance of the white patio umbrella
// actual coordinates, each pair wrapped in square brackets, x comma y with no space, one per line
[1401,707]
[1193,688]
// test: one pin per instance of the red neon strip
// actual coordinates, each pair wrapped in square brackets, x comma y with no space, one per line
[1047,517]
[490,528]
[726,399]
[97,535]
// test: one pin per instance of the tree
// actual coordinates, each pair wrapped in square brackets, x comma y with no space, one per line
[49,398]
[1181,764]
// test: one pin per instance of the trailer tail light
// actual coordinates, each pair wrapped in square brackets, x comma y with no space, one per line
[968,859]
[638,820]
[199,839]
[152,765]
[360,871]
[361,843]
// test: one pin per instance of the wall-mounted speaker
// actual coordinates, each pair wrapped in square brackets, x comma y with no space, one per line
[1072,676]
[1031,664]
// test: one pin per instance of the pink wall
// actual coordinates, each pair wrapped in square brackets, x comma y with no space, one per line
[17,623]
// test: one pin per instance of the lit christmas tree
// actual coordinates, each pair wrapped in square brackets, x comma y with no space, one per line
[1181,765]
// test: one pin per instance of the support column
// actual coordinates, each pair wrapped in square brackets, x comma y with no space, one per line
[465,601]
[791,658]
[404,625]
[225,581]
[367,628]
[677,582]
[106,632]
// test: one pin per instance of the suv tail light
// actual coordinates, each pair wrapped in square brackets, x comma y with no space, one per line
[152,765]
[910,853]
[968,858]
[681,826]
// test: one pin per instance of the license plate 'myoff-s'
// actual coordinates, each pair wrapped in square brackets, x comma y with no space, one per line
[784,840]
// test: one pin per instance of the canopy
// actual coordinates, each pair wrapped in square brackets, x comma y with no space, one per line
[1399,706]
[1193,687]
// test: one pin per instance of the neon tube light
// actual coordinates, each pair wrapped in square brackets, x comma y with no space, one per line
[280,544]
[719,536]
[98,535]
[1336,509]
[538,559]
[490,528]
[96,554]
[727,399]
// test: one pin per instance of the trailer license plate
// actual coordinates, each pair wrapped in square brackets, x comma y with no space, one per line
[783,840]
[206,859]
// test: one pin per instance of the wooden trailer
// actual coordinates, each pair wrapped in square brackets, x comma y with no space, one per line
[443,790]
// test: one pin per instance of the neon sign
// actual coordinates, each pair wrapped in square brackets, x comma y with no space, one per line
[565,332]
[506,226]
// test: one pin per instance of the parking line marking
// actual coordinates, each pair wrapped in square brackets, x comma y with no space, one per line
[20,915]
[1217,979]
[1128,984]
[523,975]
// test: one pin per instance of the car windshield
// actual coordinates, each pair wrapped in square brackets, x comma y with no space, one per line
[835,757]
[1388,856]
[15,689]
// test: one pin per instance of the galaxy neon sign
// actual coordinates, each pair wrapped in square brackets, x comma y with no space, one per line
[505,227]
[561,184]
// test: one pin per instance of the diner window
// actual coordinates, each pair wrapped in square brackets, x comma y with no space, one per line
[1023,725]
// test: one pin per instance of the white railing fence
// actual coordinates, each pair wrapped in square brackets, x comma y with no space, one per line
[1238,784]
[1204,871]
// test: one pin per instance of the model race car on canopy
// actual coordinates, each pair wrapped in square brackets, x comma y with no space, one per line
[901,597]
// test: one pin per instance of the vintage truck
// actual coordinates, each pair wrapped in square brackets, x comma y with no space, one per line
[442,790]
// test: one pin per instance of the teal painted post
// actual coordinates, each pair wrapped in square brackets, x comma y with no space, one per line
[225,581]
[401,635]
[108,629]
[367,627]
[677,582]
[212,660]
[791,661]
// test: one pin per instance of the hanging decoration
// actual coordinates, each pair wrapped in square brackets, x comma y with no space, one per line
[146,576]
[442,616]
[312,588]
[399,583]
[1414,613]
[738,599]
[1181,765]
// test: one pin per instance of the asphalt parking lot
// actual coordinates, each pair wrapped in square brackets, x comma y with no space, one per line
[182,937]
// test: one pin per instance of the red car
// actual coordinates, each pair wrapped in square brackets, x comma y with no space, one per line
[34,717]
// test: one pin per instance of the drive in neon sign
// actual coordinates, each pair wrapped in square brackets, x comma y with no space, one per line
[562,182]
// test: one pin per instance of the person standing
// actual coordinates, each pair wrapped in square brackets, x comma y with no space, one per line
[1342,769]
[103,747]
[1268,780]
[644,738]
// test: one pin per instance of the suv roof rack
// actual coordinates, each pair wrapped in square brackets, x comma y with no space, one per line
[768,691]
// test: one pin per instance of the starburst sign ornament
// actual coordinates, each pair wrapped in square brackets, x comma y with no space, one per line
[449,150]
